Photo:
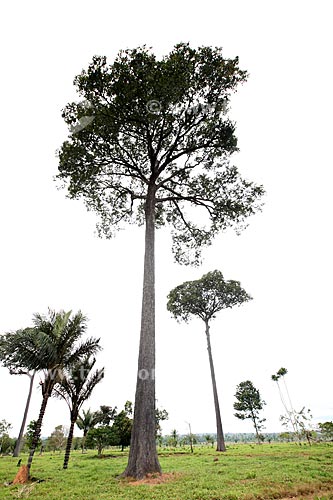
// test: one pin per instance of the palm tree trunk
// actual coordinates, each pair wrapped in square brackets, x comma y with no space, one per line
[143,453]
[219,430]
[36,437]
[85,432]
[69,444]
[18,444]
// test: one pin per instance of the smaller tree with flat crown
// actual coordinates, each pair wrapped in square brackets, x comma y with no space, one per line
[204,298]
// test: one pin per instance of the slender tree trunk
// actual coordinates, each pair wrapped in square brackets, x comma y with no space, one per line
[292,411]
[18,444]
[69,444]
[191,438]
[143,453]
[35,440]
[219,430]
[254,420]
[282,398]
[287,392]
[85,432]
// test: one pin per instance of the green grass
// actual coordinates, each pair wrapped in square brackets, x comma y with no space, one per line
[245,472]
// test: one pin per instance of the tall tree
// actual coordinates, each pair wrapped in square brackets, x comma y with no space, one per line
[149,138]
[204,298]
[57,345]
[75,388]
[291,415]
[249,404]
[7,345]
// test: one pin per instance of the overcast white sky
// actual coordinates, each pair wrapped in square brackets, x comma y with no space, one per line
[50,255]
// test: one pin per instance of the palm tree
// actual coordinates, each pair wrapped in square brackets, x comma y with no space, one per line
[52,345]
[8,344]
[87,421]
[75,388]
[203,298]
[106,414]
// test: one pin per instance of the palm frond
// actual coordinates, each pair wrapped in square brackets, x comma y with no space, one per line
[77,385]
[88,347]
[95,378]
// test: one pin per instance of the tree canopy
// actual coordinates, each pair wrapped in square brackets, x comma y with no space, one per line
[53,343]
[87,420]
[77,384]
[248,405]
[248,400]
[205,297]
[326,429]
[145,124]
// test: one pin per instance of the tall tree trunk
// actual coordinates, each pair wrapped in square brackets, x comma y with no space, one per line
[46,395]
[18,444]
[143,453]
[219,430]
[292,412]
[69,444]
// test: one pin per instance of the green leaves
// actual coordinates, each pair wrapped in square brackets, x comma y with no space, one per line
[248,399]
[146,123]
[249,404]
[99,437]
[77,384]
[326,429]
[52,344]
[205,297]
[87,420]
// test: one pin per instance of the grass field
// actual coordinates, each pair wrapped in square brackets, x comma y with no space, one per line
[246,472]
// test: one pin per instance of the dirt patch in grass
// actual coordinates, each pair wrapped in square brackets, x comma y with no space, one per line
[153,479]
[102,457]
[320,494]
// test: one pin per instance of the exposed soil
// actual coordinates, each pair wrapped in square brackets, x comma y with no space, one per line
[320,494]
[153,479]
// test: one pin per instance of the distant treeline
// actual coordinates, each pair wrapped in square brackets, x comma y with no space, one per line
[245,437]
[237,437]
